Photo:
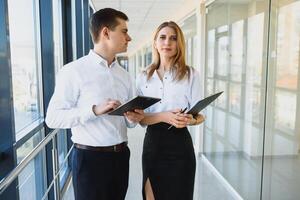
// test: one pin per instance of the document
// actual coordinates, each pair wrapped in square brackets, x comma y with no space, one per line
[200,105]
[139,102]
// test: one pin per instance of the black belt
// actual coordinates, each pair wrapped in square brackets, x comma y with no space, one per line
[114,148]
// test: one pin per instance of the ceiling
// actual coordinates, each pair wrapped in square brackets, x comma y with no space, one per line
[145,15]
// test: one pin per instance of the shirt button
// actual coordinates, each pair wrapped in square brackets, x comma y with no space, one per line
[160,88]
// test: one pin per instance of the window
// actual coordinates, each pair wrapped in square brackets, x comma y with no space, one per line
[25,61]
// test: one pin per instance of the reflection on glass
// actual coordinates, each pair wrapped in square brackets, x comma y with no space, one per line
[285,110]
[255,104]
[233,137]
[255,32]
[235,98]
[57,34]
[194,51]
[211,53]
[24,61]
[234,131]
[209,116]
[237,50]
[222,56]
[31,181]
[62,153]
[283,144]
[288,40]
[221,119]
[209,86]
[222,100]
[189,30]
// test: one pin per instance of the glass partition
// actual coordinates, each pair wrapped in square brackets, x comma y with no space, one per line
[189,29]
[282,161]
[236,45]
[252,133]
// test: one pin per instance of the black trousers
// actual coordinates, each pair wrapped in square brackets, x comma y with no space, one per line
[100,175]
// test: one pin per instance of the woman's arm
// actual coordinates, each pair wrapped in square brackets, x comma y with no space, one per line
[153,118]
[171,117]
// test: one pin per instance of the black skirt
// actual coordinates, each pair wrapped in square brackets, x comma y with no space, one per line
[169,162]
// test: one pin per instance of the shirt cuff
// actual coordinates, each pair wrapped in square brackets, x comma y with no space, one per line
[130,124]
[87,114]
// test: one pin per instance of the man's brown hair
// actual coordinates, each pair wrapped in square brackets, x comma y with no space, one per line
[106,17]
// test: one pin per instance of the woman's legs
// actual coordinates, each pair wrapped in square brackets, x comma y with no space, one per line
[148,190]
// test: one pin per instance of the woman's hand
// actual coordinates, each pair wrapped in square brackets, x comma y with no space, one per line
[198,119]
[175,118]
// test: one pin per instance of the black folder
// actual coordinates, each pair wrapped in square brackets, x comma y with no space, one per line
[200,105]
[139,102]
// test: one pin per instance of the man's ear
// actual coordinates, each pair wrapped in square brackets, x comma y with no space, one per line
[105,32]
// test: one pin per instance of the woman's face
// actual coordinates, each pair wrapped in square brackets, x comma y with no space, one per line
[166,42]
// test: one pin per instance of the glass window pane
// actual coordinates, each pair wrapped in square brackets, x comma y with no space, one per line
[285,110]
[255,32]
[62,153]
[235,39]
[222,56]
[283,124]
[24,47]
[235,98]
[32,180]
[288,41]
[222,100]
[57,34]
[237,50]
[211,53]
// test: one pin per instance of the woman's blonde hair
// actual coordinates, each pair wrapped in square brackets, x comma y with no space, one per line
[180,68]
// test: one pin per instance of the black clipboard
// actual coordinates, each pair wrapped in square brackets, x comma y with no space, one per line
[200,105]
[139,102]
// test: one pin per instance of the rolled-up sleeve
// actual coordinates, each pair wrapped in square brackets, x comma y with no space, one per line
[62,111]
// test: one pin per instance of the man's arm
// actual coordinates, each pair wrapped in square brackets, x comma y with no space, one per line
[62,110]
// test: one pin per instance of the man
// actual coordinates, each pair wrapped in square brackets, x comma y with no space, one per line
[85,91]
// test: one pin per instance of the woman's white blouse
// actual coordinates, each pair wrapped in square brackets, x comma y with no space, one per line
[174,94]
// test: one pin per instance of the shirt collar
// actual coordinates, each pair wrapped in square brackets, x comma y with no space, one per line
[167,75]
[98,59]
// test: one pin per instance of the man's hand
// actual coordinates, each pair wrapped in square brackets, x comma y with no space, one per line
[103,108]
[135,116]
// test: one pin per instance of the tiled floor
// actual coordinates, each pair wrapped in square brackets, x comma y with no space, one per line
[207,187]
[281,180]
[281,175]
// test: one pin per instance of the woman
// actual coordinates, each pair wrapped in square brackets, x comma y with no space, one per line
[168,153]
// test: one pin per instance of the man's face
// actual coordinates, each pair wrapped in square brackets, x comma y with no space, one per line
[119,38]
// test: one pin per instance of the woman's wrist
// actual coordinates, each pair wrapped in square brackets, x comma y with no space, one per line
[193,121]
[163,117]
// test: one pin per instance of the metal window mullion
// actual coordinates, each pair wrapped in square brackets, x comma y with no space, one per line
[55,168]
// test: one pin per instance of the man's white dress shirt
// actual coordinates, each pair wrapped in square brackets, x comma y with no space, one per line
[174,94]
[81,84]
